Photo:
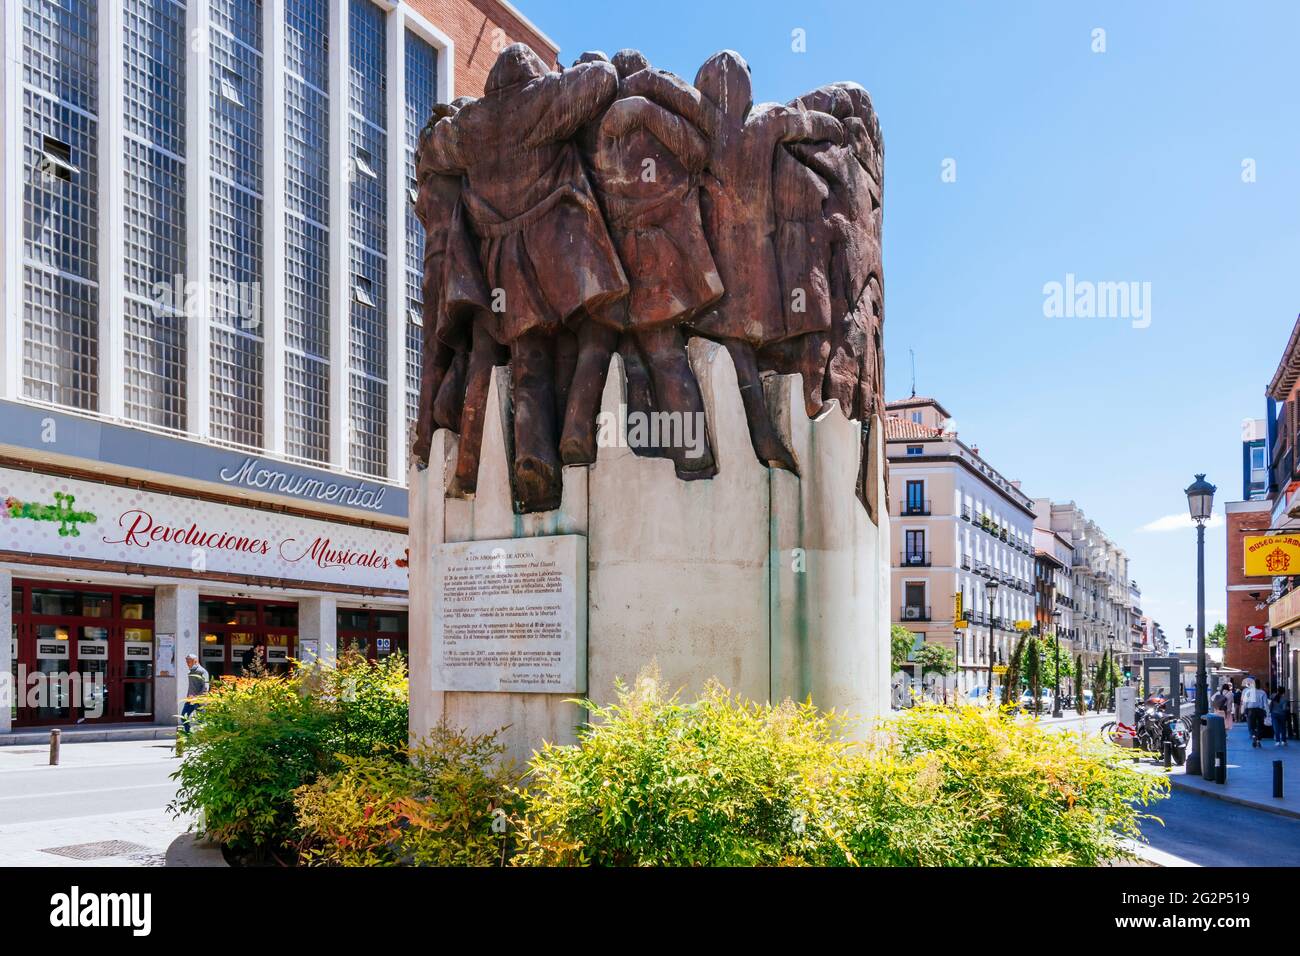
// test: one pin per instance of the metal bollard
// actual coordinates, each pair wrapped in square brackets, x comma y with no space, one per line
[1168,750]
[1277,780]
[1221,767]
[55,735]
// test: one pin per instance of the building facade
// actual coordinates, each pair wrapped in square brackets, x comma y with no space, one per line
[958,524]
[210,329]
[1247,645]
[1102,593]
[1283,598]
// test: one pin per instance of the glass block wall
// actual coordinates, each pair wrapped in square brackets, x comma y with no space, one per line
[368,242]
[421,95]
[154,363]
[235,293]
[60,122]
[306,217]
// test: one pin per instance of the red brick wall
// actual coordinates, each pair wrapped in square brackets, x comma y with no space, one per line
[1253,656]
[472,26]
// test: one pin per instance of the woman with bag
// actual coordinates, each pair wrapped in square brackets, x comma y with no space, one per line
[1279,708]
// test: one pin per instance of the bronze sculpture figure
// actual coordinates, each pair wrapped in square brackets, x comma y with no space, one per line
[613,206]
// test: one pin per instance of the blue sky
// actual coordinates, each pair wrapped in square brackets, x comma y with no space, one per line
[1117,166]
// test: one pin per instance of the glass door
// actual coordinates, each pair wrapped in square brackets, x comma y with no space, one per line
[94,669]
[136,673]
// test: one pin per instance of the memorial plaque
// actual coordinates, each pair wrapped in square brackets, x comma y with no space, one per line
[511,615]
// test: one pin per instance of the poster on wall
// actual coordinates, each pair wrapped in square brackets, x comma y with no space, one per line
[85,520]
[309,650]
[166,656]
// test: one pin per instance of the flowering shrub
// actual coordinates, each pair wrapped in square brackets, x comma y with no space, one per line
[653,781]
[446,805]
[257,739]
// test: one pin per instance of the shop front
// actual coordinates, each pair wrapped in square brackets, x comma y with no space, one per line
[81,654]
[111,585]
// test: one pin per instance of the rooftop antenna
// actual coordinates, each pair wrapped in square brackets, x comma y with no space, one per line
[913,354]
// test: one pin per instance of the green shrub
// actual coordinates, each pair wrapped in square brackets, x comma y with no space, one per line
[981,789]
[257,739]
[653,781]
[447,805]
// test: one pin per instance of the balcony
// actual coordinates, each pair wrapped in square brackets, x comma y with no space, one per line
[965,513]
[915,612]
[965,562]
[916,507]
[914,559]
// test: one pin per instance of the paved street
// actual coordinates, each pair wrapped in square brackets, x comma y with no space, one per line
[1204,831]
[99,792]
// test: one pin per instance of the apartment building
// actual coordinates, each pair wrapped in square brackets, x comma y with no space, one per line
[1053,586]
[1104,602]
[210,327]
[964,571]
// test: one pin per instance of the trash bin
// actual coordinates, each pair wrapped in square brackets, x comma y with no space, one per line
[1214,740]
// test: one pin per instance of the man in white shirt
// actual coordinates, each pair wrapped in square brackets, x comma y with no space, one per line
[1255,703]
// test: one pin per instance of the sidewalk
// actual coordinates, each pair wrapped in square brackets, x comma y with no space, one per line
[1250,775]
[87,733]
[132,838]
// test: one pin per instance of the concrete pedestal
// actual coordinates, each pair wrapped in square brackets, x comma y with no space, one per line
[775,584]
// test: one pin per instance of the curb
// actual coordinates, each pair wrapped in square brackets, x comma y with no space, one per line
[28,738]
[190,850]
[1177,782]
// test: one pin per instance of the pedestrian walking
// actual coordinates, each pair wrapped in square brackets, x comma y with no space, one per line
[1221,704]
[1236,702]
[198,686]
[1255,703]
[1279,713]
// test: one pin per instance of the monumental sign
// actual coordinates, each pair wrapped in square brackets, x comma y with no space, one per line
[511,615]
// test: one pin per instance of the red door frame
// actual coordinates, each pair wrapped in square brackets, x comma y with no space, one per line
[259,629]
[115,675]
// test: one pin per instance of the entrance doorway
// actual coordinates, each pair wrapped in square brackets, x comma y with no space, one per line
[232,627]
[81,655]
[375,634]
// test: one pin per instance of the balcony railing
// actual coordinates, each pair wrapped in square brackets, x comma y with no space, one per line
[965,562]
[915,612]
[965,513]
[914,559]
[916,507]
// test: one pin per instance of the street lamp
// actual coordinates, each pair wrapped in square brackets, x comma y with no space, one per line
[991,586]
[1056,639]
[1200,503]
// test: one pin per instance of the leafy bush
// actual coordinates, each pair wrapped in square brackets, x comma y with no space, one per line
[653,781]
[447,805]
[980,789]
[257,739]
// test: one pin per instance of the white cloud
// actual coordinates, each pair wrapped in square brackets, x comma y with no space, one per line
[1180,522]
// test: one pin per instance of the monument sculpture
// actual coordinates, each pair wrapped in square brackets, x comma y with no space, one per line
[567,210]
[609,239]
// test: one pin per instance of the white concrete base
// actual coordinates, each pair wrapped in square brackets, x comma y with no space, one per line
[775,584]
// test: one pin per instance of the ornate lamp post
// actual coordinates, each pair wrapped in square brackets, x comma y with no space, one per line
[991,586]
[1056,640]
[1200,503]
